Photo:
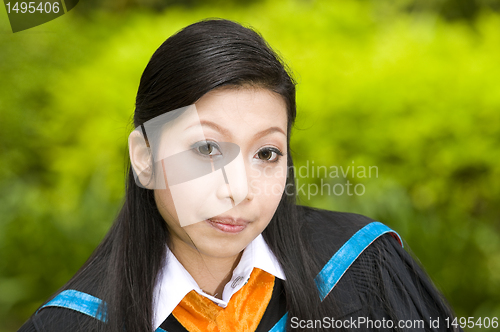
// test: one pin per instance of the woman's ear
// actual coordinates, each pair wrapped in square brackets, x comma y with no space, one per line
[141,159]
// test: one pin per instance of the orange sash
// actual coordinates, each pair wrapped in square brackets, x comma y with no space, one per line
[243,312]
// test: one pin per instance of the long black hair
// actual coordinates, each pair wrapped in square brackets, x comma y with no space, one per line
[124,268]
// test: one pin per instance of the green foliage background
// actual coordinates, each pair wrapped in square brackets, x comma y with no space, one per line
[413,92]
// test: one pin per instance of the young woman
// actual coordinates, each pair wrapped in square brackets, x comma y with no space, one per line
[210,237]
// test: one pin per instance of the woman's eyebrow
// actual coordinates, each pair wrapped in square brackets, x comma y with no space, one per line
[268,131]
[216,127]
[226,132]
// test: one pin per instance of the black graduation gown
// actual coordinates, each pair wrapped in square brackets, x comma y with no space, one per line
[384,283]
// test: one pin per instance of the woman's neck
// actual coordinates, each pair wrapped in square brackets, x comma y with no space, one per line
[210,273]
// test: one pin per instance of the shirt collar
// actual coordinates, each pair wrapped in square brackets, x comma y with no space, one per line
[175,281]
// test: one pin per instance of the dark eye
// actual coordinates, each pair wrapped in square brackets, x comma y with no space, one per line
[207,148]
[269,154]
[265,154]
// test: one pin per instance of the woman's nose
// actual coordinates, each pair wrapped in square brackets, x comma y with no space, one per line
[235,184]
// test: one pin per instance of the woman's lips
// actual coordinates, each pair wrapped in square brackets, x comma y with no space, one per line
[228,225]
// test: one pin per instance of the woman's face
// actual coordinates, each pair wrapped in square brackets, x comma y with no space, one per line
[236,202]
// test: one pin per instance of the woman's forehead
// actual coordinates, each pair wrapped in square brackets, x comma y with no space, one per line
[242,111]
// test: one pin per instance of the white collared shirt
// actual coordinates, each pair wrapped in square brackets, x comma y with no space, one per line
[175,281]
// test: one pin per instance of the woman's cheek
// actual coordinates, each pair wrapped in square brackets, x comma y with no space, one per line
[268,182]
[166,206]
